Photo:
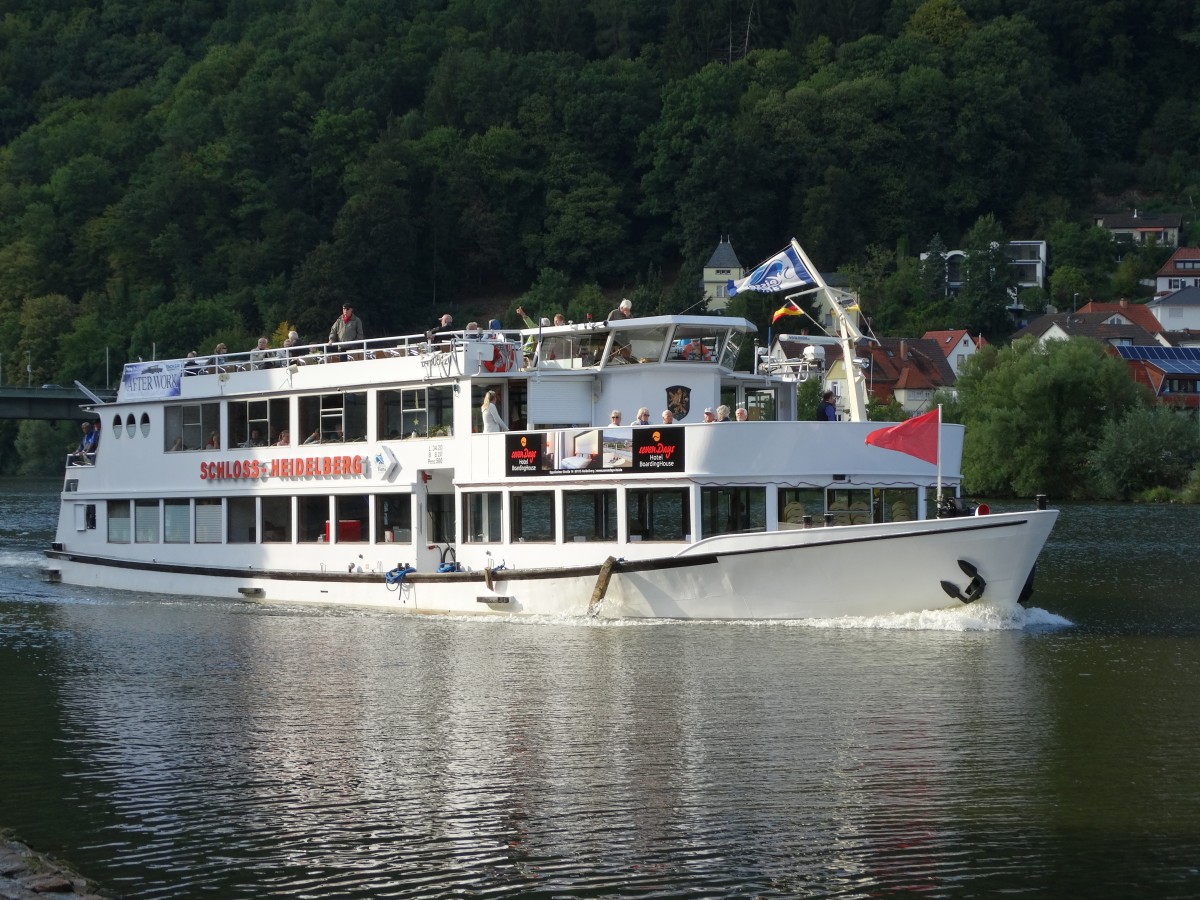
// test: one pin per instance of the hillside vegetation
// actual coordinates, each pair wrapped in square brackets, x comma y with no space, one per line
[173,174]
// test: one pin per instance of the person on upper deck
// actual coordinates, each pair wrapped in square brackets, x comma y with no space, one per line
[346,327]
[261,355]
[643,417]
[614,417]
[709,415]
[826,411]
[492,420]
[723,413]
[622,312]
[445,324]
[668,417]
[740,414]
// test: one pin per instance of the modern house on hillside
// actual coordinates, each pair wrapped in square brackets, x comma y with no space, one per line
[1180,271]
[722,267]
[1027,258]
[1138,228]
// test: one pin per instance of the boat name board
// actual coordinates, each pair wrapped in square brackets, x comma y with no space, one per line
[288,467]
[595,451]
[151,380]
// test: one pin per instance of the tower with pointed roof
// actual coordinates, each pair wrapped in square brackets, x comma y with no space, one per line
[722,267]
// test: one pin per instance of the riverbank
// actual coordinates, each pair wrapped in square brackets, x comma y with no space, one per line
[26,874]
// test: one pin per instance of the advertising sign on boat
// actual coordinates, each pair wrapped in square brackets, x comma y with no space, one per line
[595,451]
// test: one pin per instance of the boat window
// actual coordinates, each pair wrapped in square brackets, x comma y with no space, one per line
[659,515]
[116,429]
[482,517]
[130,427]
[277,520]
[850,506]
[590,515]
[333,418]
[733,346]
[145,521]
[796,503]
[267,417]
[239,519]
[532,516]
[118,521]
[208,521]
[393,522]
[145,425]
[895,504]
[312,518]
[189,424]
[732,510]
[416,412]
[762,406]
[635,345]
[177,522]
[574,350]
[693,343]
[352,518]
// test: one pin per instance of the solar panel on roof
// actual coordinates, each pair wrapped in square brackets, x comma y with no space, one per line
[1171,360]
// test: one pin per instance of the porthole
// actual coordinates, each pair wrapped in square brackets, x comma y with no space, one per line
[129,425]
[145,425]
[117,426]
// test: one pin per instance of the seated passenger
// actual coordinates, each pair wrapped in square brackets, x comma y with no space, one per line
[643,417]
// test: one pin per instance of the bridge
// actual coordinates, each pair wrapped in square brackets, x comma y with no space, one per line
[48,403]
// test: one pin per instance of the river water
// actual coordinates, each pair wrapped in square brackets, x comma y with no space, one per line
[204,748]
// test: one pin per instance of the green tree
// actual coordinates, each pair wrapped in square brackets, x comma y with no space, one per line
[1034,413]
[1150,446]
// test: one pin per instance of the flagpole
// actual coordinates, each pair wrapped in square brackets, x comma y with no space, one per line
[939,457]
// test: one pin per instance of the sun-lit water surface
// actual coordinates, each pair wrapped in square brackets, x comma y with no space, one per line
[194,747]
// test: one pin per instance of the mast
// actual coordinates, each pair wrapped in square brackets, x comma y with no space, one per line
[848,336]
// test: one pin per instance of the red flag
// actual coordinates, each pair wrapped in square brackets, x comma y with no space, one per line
[917,437]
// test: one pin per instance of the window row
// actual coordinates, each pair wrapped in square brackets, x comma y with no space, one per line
[320,419]
[660,514]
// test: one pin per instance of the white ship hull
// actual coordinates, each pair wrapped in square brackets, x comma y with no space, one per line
[856,570]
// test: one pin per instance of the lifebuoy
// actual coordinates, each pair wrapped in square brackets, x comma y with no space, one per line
[502,359]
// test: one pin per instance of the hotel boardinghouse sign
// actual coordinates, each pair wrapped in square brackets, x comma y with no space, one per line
[595,451]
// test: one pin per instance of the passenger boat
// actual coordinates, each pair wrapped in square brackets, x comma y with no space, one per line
[384,491]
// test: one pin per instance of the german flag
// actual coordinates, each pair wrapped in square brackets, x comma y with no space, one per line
[788,309]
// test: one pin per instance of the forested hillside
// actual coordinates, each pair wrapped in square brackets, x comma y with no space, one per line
[176,173]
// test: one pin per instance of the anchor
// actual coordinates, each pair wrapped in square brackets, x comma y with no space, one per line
[974,589]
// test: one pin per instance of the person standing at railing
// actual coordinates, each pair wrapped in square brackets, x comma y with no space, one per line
[346,327]
[85,453]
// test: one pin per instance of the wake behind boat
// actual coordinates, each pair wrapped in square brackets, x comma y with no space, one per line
[384,490]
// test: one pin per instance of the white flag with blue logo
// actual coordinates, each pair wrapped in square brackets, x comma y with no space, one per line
[786,269]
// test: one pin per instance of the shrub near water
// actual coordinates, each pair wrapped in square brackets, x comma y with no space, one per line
[1146,450]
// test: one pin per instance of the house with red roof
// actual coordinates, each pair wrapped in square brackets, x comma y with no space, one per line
[1125,313]
[1180,271]
[909,369]
[956,345]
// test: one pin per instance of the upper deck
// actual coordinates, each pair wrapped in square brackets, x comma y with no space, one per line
[594,349]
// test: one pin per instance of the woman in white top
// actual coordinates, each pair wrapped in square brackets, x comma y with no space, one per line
[492,420]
